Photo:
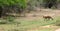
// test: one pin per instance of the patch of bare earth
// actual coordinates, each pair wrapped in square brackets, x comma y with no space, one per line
[43,27]
[57,29]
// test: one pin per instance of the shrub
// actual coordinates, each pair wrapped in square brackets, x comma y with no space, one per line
[10,19]
[57,23]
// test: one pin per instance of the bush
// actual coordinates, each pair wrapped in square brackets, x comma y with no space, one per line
[3,22]
[57,23]
[11,5]
[10,19]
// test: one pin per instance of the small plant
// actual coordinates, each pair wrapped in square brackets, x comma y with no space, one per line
[57,23]
[3,22]
[10,19]
[53,7]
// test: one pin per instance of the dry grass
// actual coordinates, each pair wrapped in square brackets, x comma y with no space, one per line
[31,23]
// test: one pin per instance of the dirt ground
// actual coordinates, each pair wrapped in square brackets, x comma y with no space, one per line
[39,13]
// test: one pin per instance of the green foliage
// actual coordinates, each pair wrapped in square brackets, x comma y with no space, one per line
[13,2]
[47,2]
[15,6]
[10,19]
[3,22]
[57,23]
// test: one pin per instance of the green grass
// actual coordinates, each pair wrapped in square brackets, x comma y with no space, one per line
[25,24]
[37,22]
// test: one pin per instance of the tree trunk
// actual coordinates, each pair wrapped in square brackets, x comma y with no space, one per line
[1,9]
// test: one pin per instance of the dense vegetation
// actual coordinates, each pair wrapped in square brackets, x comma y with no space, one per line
[18,6]
[10,8]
